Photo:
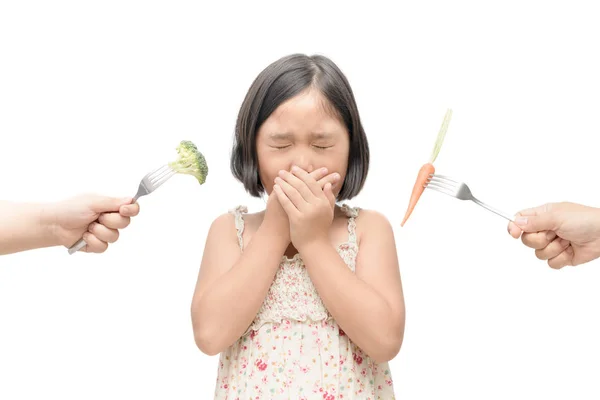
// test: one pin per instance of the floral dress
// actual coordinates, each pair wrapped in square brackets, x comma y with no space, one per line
[294,349]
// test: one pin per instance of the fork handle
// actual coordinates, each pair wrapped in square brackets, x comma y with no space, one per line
[492,209]
[77,246]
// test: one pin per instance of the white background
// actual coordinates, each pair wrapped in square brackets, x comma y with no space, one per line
[95,94]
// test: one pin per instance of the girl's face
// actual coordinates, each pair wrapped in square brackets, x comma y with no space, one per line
[302,131]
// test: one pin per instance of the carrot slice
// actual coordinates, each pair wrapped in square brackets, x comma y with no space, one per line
[427,169]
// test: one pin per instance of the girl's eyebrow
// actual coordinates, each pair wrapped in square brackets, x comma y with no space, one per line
[288,135]
[280,135]
[321,135]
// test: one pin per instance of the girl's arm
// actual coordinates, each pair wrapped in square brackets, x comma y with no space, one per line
[368,304]
[231,287]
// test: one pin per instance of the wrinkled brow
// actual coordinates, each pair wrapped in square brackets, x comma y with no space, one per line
[289,135]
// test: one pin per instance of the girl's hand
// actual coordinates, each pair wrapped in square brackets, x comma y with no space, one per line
[308,207]
[276,220]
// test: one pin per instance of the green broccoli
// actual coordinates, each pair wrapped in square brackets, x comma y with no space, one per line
[190,161]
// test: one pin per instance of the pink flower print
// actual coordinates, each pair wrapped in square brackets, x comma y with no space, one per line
[252,334]
[357,358]
[260,364]
[342,333]
[327,396]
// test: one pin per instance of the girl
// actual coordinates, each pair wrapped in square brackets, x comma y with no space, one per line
[296,310]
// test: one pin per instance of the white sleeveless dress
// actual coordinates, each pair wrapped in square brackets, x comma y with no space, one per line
[294,349]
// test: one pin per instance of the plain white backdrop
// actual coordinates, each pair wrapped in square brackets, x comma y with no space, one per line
[95,94]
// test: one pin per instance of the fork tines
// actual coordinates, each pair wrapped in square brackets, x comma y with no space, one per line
[441,183]
[160,175]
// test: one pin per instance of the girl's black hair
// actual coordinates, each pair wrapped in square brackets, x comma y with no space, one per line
[280,81]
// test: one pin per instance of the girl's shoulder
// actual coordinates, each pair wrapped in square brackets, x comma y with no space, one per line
[235,224]
[245,219]
[366,220]
[233,217]
[361,214]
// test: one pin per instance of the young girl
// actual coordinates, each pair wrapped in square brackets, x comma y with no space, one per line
[304,299]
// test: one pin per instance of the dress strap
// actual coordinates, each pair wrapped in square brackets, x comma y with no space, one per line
[238,213]
[351,213]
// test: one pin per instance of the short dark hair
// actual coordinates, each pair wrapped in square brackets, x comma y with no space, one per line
[280,81]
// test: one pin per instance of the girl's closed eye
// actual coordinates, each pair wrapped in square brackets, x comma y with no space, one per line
[281,147]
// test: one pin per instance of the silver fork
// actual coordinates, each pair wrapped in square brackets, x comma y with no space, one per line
[460,190]
[149,183]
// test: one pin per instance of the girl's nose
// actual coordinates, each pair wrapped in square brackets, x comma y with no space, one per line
[303,161]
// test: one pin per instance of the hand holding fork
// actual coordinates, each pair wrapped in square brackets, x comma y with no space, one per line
[149,183]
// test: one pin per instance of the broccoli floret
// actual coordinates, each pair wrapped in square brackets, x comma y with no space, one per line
[190,161]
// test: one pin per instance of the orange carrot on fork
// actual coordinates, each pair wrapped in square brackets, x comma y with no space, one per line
[427,169]
[418,188]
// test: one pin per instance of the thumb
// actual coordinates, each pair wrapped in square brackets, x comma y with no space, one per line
[103,204]
[537,220]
